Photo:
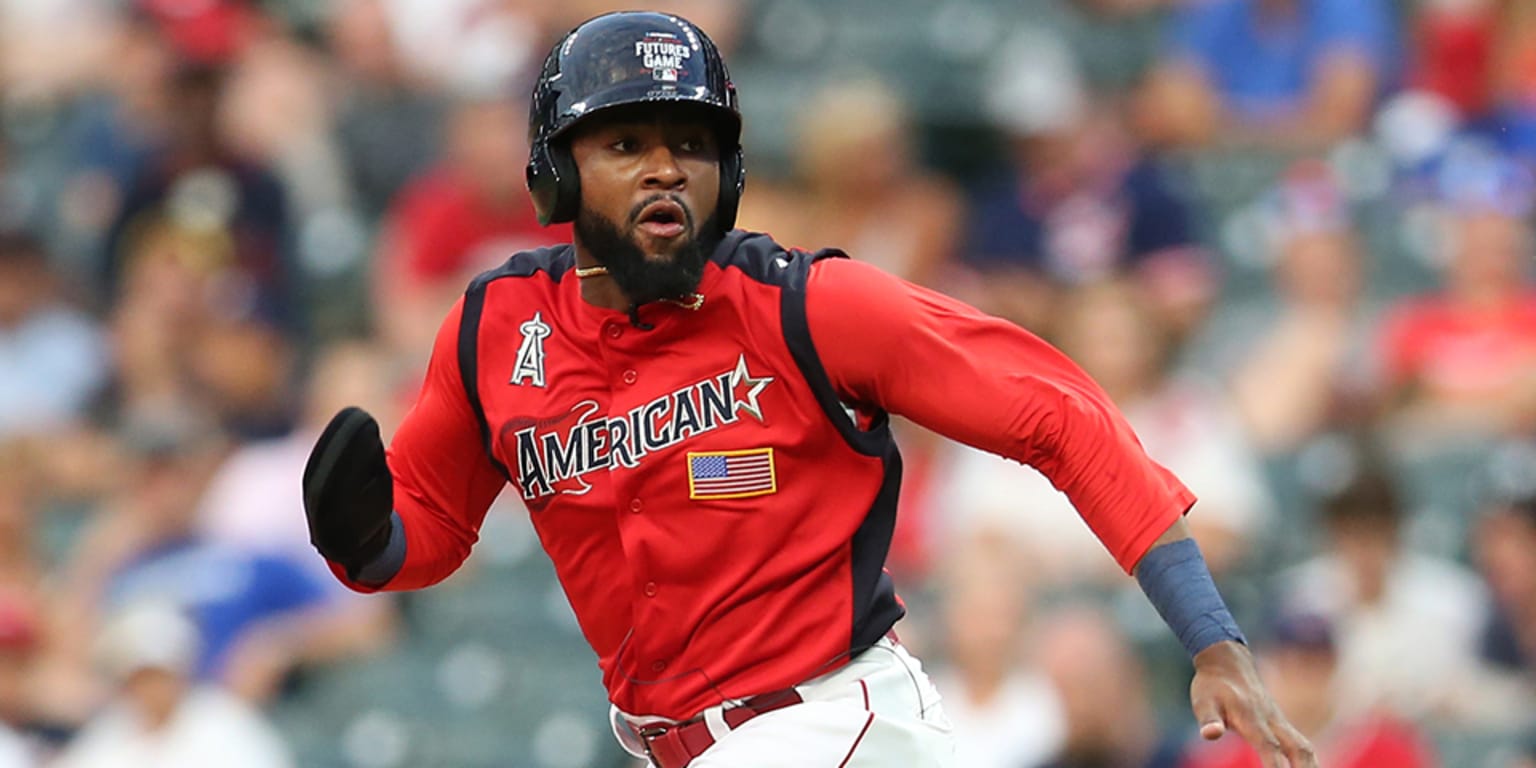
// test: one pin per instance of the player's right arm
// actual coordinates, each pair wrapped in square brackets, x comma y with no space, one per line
[405,517]
[993,385]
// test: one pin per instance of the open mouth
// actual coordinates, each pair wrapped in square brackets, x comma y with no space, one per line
[663,219]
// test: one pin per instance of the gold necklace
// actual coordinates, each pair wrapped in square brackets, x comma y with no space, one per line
[586,272]
[693,302]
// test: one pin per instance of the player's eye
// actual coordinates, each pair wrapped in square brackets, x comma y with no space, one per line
[693,145]
[625,145]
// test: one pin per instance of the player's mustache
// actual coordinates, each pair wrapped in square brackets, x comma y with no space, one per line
[634,213]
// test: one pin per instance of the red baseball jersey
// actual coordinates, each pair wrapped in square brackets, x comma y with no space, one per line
[717,486]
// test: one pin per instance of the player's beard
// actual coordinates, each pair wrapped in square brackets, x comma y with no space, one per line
[641,278]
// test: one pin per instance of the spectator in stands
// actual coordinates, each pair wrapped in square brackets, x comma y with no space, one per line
[1463,359]
[250,608]
[173,283]
[240,505]
[1514,76]
[53,49]
[276,111]
[1102,686]
[860,185]
[53,358]
[387,120]
[1282,74]
[200,182]
[1504,548]
[22,569]
[1405,624]
[24,732]
[159,715]
[1456,53]
[1005,713]
[21,743]
[470,46]
[242,509]
[1077,202]
[243,367]
[116,128]
[193,333]
[468,214]
[211,32]
[1186,424]
[1299,363]
[1473,70]
[1299,662]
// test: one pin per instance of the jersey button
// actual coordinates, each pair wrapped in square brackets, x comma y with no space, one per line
[630,376]
[658,666]
[650,589]
[615,331]
[635,505]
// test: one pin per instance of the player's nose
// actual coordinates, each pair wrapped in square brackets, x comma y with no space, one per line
[662,169]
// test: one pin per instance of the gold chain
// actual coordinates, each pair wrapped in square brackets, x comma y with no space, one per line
[693,302]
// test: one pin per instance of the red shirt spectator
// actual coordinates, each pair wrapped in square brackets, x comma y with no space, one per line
[1464,357]
[1299,662]
[206,31]
[1373,743]
[1455,54]
[445,227]
[466,215]
[1462,352]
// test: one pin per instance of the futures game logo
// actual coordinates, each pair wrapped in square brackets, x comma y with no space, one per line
[663,54]
[554,454]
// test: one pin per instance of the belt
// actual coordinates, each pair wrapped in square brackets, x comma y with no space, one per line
[675,746]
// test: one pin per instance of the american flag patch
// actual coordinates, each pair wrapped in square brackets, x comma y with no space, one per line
[731,474]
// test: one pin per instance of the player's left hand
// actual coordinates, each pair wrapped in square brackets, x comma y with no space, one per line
[1227,694]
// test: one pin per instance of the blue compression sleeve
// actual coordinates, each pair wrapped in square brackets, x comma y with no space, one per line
[381,569]
[1179,585]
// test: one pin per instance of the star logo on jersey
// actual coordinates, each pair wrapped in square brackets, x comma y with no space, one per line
[554,455]
[745,389]
[530,356]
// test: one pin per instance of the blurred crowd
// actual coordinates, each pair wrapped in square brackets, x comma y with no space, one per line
[1293,239]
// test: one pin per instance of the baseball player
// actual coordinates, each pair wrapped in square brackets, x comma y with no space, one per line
[696,419]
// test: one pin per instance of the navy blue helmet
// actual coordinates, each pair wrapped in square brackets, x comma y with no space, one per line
[621,59]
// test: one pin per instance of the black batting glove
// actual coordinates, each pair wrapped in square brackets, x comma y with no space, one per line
[348,491]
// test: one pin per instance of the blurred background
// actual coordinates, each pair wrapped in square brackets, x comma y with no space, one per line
[1292,238]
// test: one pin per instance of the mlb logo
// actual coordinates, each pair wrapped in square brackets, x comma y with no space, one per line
[665,75]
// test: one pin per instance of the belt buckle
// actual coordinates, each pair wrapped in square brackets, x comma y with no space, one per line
[648,733]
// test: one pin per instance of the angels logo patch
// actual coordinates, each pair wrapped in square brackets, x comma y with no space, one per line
[553,455]
[530,356]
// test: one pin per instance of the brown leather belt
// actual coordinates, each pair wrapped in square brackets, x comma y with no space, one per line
[675,746]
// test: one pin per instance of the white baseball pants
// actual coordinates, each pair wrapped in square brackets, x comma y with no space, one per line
[878,711]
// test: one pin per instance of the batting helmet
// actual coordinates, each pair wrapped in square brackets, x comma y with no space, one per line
[627,58]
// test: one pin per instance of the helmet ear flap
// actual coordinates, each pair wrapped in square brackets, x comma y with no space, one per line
[733,180]
[553,182]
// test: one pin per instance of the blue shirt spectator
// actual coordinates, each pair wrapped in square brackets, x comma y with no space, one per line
[1264,60]
[226,591]
[53,358]
[1096,232]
